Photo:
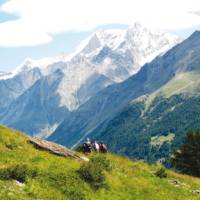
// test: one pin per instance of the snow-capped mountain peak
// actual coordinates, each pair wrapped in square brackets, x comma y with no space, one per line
[96,41]
[139,42]
[66,82]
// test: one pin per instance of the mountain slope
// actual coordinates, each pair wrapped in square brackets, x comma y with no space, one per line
[142,129]
[47,102]
[38,109]
[54,177]
[160,73]
[12,88]
[105,58]
[122,53]
[153,134]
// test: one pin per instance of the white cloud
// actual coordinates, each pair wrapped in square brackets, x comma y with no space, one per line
[39,19]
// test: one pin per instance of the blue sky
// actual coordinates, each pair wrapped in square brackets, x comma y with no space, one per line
[10,57]
[43,28]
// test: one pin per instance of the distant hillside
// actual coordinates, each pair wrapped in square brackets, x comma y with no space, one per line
[151,133]
[151,126]
[146,115]
[29,173]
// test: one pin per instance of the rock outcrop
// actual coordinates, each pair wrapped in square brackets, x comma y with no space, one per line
[55,148]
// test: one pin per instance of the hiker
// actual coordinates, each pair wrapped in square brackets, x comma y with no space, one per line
[87,146]
[96,146]
[88,141]
[103,148]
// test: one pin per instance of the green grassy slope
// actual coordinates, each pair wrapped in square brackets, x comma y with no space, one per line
[57,178]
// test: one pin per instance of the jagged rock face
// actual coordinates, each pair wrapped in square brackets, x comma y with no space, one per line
[104,58]
[12,88]
[121,54]
[38,109]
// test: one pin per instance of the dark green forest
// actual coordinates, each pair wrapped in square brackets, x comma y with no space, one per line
[130,132]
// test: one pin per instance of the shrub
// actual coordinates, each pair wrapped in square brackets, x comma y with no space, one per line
[92,174]
[12,146]
[102,162]
[161,173]
[93,171]
[18,172]
[69,184]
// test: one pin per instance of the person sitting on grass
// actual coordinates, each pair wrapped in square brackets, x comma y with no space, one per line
[96,146]
[103,148]
[87,146]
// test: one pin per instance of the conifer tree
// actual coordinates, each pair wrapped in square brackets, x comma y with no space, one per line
[187,159]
